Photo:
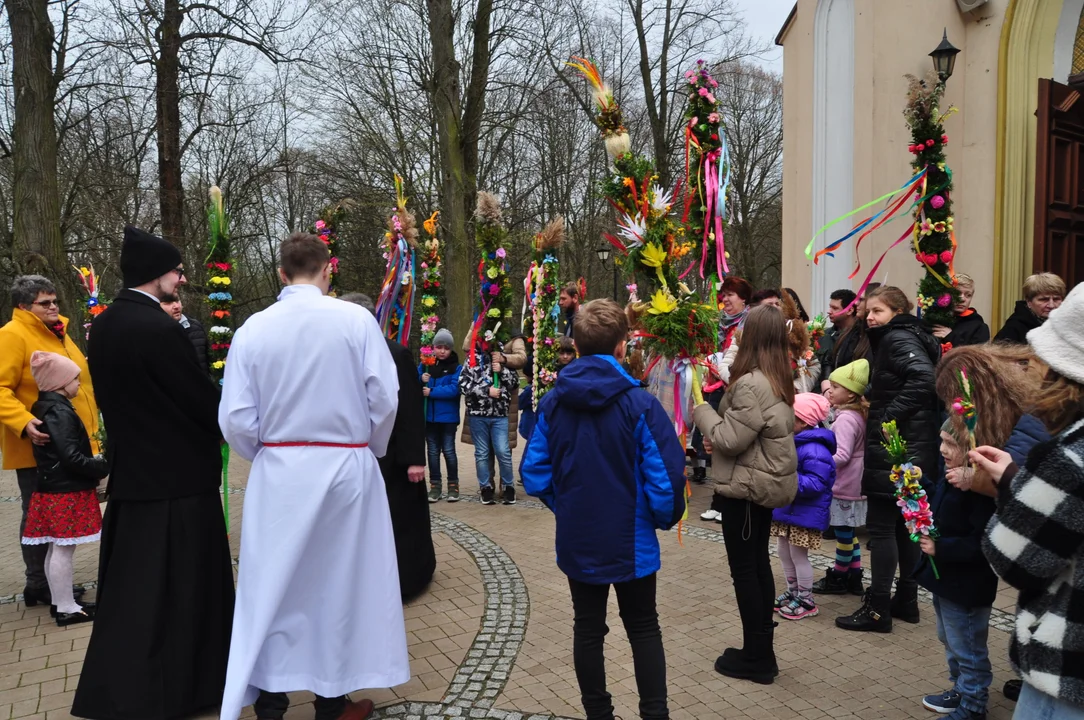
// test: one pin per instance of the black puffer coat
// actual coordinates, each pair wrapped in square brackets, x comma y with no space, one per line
[902,389]
[66,464]
[198,336]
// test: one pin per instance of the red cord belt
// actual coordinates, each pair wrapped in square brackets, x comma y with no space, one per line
[317,444]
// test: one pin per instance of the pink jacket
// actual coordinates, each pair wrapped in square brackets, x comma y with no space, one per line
[850,431]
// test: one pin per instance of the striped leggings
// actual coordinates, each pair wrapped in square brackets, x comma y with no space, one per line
[848,549]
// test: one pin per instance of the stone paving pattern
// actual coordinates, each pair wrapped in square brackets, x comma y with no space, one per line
[492,638]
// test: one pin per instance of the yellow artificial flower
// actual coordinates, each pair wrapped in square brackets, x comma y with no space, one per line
[494,313]
[430,225]
[662,302]
[492,273]
[84,272]
[218,364]
[427,301]
[653,255]
[225,281]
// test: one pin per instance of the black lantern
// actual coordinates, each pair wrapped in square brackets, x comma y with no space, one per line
[944,58]
[603,253]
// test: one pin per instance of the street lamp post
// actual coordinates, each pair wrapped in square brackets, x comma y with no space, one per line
[944,58]
[603,255]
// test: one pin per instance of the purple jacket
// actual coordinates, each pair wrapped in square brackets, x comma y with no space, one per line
[850,431]
[816,475]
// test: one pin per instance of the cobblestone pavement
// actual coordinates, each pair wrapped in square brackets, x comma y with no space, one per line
[492,638]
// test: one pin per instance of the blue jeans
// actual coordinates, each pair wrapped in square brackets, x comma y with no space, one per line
[1035,705]
[964,633]
[492,433]
[440,439]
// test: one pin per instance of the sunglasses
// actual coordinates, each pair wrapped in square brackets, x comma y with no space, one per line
[46,303]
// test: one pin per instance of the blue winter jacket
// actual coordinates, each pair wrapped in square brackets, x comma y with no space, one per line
[442,405]
[605,459]
[1028,433]
[811,508]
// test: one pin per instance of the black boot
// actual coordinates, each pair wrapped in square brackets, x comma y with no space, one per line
[854,582]
[1012,689]
[37,596]
[755,662]
[700,474]
[873,616]
[905,604]
[833,583]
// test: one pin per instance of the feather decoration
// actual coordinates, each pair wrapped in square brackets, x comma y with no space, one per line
[552,236]
[488,209]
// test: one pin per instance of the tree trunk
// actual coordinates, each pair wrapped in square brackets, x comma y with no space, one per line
[453,177]
[168,124]
[37,243]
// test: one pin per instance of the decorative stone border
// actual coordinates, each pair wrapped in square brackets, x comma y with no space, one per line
[485,670]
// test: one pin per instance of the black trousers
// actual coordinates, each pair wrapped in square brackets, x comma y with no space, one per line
[890,548]
[33,555]
[272,706]
[636,602]
[746,527]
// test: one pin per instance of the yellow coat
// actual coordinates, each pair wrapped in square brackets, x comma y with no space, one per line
[18,391]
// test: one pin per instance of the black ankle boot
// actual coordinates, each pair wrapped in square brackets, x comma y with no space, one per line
[854,582]
[700,474]
[833,583]
[873,616]
[755,662]
[33,597]
[904,605]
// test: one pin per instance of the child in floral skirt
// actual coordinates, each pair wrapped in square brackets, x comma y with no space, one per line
[64,509]
[800,524]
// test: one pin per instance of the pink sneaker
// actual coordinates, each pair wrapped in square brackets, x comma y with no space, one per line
[799,608]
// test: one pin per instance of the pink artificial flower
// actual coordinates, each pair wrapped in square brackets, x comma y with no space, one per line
[425,265]
[501,253]
[494,289]
[320,224]
[703,92]
[945,300]
[713,118]
[937,202]
[714,83]
[334,264]
[710,98]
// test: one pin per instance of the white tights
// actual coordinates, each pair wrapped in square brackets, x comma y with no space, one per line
[796,567]
[58,571]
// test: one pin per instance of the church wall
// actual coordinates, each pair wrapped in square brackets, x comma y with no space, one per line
[892,39]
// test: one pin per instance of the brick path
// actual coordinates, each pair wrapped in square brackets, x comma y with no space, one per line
[492,638]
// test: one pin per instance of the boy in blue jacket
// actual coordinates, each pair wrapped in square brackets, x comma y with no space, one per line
[964,593]
[579,460]
[440,385]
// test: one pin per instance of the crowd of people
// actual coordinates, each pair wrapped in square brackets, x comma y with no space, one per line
[788,429]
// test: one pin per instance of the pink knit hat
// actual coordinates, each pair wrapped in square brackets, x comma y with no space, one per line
[51,371]
[811,408]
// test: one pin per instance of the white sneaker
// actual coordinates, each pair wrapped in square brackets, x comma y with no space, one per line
[710,515]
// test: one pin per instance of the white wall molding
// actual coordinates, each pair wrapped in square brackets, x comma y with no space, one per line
[833,152]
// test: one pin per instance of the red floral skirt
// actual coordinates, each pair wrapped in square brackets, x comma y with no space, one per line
[70,518]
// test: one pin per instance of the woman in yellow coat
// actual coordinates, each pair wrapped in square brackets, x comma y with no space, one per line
[36,324]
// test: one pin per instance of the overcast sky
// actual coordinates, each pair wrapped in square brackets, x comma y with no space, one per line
[763,19]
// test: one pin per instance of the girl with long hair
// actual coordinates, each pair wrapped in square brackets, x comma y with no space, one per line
[902,389]
[754,466]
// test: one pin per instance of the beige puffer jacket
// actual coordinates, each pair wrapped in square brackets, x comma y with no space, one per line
[752,439]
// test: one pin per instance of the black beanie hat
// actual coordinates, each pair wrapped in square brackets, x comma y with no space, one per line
[145,257]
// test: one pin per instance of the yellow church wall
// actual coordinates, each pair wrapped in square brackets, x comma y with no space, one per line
[892,39]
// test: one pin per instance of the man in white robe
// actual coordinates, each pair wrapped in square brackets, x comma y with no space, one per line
[310,397]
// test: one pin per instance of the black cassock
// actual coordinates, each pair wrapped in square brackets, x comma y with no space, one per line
[408,502]
[161,634]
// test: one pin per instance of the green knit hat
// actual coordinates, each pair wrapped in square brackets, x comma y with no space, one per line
[853,376]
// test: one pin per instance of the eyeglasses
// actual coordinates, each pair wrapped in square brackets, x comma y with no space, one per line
[46,303]
[179,271]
